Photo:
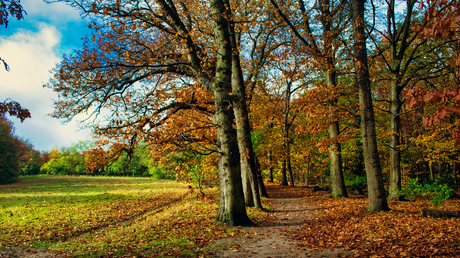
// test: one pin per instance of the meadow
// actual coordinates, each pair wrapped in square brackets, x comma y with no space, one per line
[93,216]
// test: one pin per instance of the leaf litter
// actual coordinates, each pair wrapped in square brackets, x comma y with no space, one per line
[298,223]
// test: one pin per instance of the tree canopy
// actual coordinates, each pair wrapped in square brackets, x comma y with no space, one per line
[356,85]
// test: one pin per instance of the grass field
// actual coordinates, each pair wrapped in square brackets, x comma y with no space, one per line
[93,216]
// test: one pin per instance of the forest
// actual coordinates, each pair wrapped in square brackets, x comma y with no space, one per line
[352,96]
[339,115]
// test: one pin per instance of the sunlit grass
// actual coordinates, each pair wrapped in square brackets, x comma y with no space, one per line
[183,229]
[55,208]
[94,216]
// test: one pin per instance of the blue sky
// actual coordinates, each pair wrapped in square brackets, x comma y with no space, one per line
[32,47]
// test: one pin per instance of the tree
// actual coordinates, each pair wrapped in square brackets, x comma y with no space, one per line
[140,52]
[377,198]
[31,166]
[440,22]
[399,39]
[60,163]
[278,100]
[260,39]
[331,18]
[8,152]
[409,60]
[247,156]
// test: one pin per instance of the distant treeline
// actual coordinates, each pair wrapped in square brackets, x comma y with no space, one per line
[19,158]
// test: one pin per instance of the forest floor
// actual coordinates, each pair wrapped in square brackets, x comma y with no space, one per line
[291,207]
[288,210]
[133,217]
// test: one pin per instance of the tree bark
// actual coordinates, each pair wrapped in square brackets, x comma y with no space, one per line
[231,206]
[260,180]
[283,172]
[398,43]
[455,175]
[270,167]
[247,156]
[337,180]
[288,164]
[395,154]
[376,190]
[430,166]
[286,125]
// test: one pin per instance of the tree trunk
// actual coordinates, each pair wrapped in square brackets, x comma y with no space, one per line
[288,164]
[431,171]
[246,181]
[247,156]
[337,181]
[286,125]
[283,172]
[260,180]
[395,154]
[287,149]
[231,206]
[376,190]
[398,43]
[270,167]
[308,172]
[455,175]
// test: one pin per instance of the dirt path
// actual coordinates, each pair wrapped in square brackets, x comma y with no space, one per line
[26,253]
[291,208]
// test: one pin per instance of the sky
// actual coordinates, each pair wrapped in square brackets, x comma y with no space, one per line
[32,47]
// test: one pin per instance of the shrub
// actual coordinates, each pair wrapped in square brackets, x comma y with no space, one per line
[437,191]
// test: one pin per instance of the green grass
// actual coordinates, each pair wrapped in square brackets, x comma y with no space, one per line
[93,216]
[56,208]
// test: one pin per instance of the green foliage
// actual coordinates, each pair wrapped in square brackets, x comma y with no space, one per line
[193,168]
[60,164]
[138,164]
[355,184]
[68,161]
[156,173]
[8,153]
[32,165]
[358,182]
[75,160]
[257,139]
[438,192]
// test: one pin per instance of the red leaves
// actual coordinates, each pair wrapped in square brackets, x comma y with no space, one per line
[443,103]
[442,18]
[13,108]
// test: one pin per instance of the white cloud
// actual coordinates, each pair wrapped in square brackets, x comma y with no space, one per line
[31,55]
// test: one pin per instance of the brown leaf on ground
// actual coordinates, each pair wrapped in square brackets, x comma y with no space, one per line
[344,223]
